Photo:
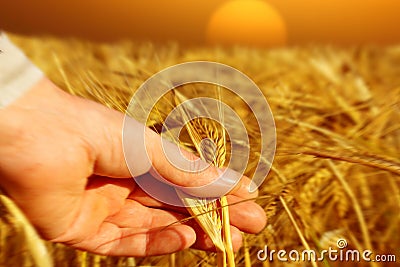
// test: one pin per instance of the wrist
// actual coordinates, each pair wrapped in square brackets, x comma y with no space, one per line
[22,120]
[42,96]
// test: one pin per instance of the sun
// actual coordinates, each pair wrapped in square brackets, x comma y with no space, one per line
[246,22]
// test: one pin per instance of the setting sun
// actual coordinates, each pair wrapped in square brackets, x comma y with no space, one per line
[246,22]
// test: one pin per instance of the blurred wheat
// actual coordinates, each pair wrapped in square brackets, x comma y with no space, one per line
[337,169]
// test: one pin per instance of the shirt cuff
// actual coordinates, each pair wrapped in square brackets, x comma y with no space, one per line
[17,73]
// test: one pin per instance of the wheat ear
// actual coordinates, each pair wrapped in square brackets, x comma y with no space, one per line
[213,217]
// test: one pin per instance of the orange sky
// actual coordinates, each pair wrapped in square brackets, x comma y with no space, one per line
[338,21]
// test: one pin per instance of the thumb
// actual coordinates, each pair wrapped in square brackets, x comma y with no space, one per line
[128,148]
[147,151]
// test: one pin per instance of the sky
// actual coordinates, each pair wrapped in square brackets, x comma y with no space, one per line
[307,21]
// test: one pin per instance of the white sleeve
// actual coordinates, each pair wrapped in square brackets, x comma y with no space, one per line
[17,73]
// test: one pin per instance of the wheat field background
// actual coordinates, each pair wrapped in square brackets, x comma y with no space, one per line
[336,173]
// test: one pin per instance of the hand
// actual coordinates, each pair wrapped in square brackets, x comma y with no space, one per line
[61,160]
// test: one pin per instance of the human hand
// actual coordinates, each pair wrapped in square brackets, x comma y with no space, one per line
[61,160]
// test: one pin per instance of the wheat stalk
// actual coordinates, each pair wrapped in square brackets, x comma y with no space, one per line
[33,243]
[212,216]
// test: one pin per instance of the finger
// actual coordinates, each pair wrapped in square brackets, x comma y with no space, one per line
[248,216]
[154,218]
[135,215]
[167,193]
[242,189]
[138,242]
[143,198]
[110,160]
[143,151]
[241,208]
[111,187]
[203,241]
[194,176]
[245,216]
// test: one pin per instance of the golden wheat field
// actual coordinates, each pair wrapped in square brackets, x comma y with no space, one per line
[336,172]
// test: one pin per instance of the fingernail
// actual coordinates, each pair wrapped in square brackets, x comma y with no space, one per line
[253,187]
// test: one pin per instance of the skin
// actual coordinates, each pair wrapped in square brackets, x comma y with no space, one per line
[61,160]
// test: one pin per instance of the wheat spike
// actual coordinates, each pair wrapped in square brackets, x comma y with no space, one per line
[310,190]
[213,217]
